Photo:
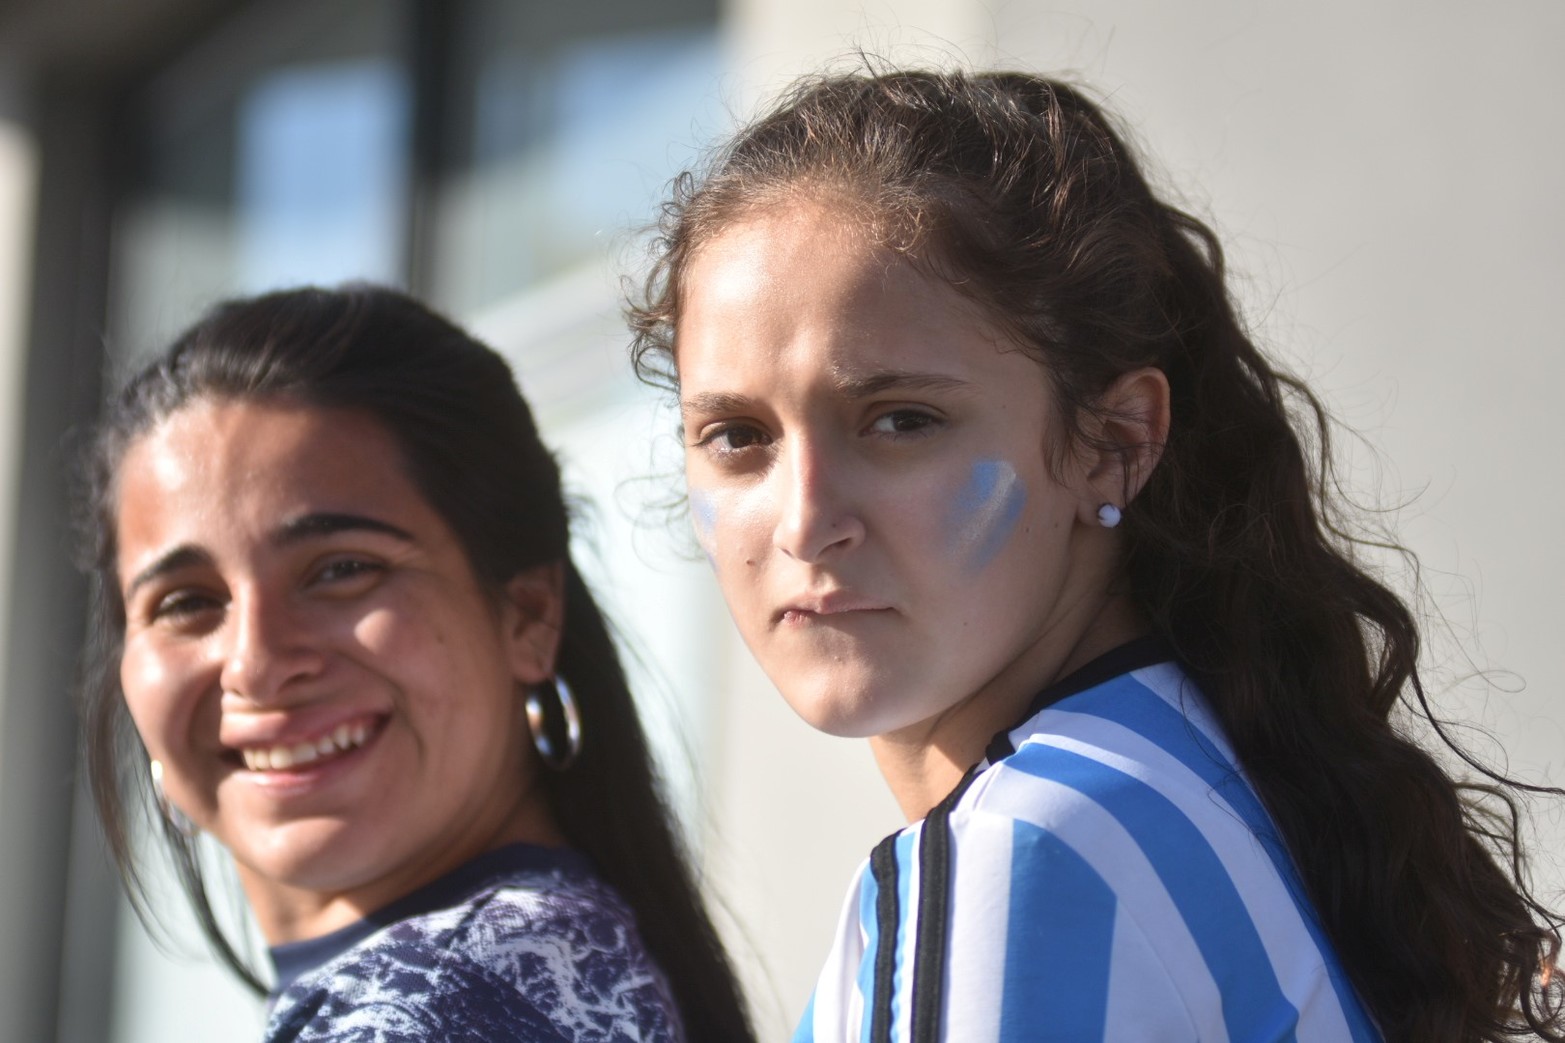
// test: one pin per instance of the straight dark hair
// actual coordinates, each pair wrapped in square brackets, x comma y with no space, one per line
[470,446]
[1020,193]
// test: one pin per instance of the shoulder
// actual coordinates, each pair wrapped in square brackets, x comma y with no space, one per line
[1123,797]
[1131,749]
[1119,853]
[531,959]
[574,950]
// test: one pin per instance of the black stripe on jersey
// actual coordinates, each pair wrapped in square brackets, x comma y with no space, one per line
[934,900]
[883,866]
[1135,654]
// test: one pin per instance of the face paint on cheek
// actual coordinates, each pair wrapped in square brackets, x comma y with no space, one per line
[703,518]
[985,512]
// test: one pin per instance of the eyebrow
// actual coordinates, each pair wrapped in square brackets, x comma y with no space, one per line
[182,557]
[327,523]
[709,403]
[898,380]
[295,530]
[719,402]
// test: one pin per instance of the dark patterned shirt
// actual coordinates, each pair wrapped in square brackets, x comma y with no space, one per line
[521,944]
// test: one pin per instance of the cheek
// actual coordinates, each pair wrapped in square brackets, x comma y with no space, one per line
[703,519]
[984,512]
[444,661]
[414,654]
[728,523]
[150,684]
[378,634]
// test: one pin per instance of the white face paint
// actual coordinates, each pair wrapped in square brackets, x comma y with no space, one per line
[868,466]
[703,519]
[985,512]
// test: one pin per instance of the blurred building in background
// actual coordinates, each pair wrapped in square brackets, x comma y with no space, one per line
[1386,175]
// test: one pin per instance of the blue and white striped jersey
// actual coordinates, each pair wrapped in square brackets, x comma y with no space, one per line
[1106,874]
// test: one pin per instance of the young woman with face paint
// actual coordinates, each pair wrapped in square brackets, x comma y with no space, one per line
[990,474]
[340,633]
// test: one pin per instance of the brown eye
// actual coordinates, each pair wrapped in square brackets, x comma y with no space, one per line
[904,422]
[183,606]
[733,438]
[347,575]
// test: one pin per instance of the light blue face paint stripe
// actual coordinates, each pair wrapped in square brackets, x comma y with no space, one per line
[869,894]
[1132,705]
[986,511]
[1059,942]
[1254,1006]
[703,516]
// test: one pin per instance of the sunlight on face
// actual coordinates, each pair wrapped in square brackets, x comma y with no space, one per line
[869,472]
[331,692]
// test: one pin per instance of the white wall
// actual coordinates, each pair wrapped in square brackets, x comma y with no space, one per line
[1386,177]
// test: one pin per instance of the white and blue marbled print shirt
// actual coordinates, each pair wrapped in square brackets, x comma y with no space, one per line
[521,944]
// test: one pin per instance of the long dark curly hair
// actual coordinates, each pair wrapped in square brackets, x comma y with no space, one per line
[472,449]
[1021,193]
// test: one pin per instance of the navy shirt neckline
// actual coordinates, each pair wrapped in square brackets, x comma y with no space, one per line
[291,960]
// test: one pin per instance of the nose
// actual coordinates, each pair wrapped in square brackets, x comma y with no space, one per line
[818,515]
[269,648]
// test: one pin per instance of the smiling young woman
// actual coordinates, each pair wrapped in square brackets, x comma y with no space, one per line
[990,474]
[323,600]
[334,600]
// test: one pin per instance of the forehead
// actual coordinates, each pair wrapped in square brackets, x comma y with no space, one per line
[211,436]
[217,467]
[809,283]
[798,251]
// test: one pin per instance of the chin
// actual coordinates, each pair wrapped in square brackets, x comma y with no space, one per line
[310,856]
[842,710]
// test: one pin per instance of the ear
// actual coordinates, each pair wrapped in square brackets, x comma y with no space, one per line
[532,614]
[1125,438]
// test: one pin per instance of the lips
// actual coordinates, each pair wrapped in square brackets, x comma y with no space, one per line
[310,750]
[830,603]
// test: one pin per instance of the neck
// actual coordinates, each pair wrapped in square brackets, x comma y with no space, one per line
[290,911]
[923,762]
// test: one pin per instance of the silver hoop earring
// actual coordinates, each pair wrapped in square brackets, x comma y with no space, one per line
[554,757]
[172,815]
[1109,516]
